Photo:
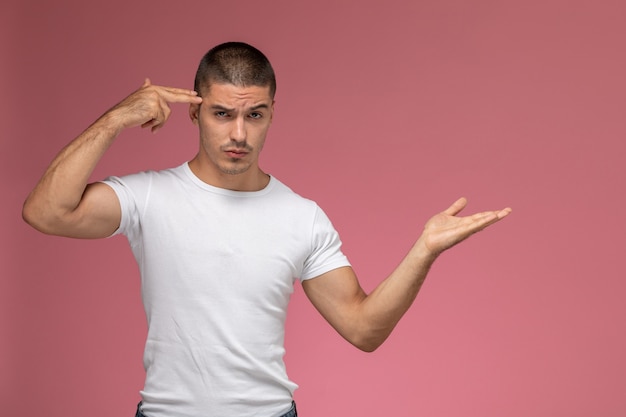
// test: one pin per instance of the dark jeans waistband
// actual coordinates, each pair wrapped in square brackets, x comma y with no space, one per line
[293,412]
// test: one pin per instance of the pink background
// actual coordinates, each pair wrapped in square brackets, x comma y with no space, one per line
[386,112]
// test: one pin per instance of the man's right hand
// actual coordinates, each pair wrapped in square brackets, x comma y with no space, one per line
[148,106]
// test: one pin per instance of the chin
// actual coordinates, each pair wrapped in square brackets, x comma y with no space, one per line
[236,170]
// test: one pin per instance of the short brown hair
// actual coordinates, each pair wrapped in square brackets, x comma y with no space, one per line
[235,63]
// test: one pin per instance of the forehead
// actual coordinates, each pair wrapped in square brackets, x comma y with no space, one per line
[225,93]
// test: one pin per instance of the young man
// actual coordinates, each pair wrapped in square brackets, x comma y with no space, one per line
[219,244]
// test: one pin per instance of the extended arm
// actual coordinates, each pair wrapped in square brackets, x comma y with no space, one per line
[367,320]
[62,202]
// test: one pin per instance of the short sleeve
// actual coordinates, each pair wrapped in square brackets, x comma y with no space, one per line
[130,206]
[326,253]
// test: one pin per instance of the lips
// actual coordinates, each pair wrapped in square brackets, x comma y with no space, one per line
[236,153]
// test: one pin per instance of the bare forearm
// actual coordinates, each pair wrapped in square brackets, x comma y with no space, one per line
[383,308]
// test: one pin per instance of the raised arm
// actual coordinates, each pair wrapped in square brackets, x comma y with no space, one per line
[367,320]
[63,203]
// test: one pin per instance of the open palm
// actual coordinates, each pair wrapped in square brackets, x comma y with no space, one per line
[446,229]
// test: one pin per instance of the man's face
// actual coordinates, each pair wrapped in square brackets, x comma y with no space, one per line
[233,123]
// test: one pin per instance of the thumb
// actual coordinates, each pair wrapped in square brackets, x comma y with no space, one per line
[456,207]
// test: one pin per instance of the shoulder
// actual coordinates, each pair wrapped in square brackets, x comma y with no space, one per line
[281,190]
[144,178]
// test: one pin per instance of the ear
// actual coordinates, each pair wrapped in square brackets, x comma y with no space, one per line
[194,110]
[272,114]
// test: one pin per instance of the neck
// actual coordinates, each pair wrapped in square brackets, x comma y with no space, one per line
[253,179]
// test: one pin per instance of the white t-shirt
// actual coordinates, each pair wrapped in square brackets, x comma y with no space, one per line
[217,270]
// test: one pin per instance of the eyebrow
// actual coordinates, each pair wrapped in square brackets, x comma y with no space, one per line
[228,109]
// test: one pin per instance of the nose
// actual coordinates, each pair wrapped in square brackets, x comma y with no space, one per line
[238,131]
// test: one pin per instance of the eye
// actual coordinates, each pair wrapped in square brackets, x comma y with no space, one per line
[256,115]
[221,114]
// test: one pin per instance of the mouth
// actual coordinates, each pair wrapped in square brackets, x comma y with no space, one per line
[236,153]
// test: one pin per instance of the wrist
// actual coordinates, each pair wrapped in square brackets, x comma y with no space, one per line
[110,123]
[423,253]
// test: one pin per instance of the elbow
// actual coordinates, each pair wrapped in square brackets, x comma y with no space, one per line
[368,348]
[367,336]
[368,343]
[37,217]
[31,216]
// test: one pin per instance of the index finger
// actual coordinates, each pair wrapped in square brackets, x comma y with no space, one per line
[180,95]
[487,218]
